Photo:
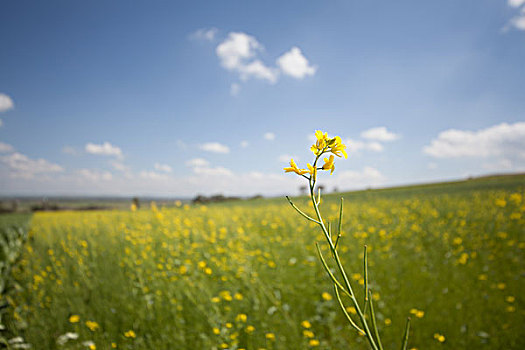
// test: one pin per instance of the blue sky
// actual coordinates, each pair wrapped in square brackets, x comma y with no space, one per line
[175,99]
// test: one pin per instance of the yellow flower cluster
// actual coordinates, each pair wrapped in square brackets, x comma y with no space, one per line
[323,144]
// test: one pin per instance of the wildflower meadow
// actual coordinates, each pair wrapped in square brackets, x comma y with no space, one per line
[246,274]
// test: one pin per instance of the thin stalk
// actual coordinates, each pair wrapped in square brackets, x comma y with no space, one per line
[345,312]
[339,264]
[332,277]
[374,324]
[365,268]
[405,336]
[340,223]
[301,212]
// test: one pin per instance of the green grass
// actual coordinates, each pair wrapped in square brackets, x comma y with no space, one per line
[452,250]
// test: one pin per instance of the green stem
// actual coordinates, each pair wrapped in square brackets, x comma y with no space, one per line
[338,261]
[405,336]
[373,316]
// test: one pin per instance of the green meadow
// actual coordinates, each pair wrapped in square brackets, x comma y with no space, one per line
[246,275]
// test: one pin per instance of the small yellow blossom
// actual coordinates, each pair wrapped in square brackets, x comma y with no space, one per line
[241,318]
[92,325]
[329,164]
[439,337]
[351,310]
[306,324]
[74,318]
[130,334]
[313,342]
[337,147]
[312,170]
[321,142]
[308,334]
[326,296]
[270,336]
[250,329]
[293,168]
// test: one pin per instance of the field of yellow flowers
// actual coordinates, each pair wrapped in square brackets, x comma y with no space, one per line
[245,275]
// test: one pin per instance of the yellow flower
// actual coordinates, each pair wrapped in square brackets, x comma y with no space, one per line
[329,164]
[216,330]
[308,334]
[92,325]
[113,345]
[270,336]
[241,318]
[439,337]
[130,334]
[250,329]
[306,324]
[351,310]
[313,342]
[337,147]
[74,318]
[321,142]
[326,296]
[312,170]
[293,168]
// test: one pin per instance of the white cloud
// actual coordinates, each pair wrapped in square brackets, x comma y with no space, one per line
[517,21]
[516,3]
[163,167]
[235,89]
[294,64]
[379,134]
[6,148]
[502,140]
[119,166]
[95,175]
[285,158]
[238,53]
[105,149]
[21,166]
[244,144]
[236,48]
[353,179]
[204,34]
[210,171]
[6,103]
[197,162]
[270,136]
[259,70]
[214,147]
[153,175]
[69,150]
[355,146]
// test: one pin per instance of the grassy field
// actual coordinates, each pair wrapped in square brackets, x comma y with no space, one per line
[246,274]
